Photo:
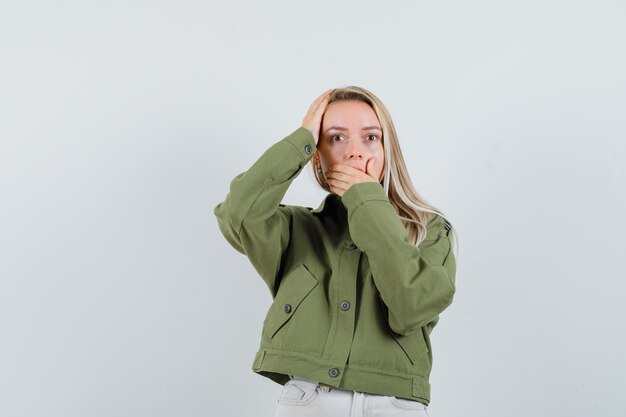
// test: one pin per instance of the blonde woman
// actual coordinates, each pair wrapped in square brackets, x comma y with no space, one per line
[357,283]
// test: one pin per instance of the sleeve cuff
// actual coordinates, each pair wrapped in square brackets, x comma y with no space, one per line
[361,192]
[303,143]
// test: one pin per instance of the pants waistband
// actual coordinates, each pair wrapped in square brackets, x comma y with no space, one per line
[312,382]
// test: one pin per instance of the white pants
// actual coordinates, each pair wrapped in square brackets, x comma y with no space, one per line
[305,398]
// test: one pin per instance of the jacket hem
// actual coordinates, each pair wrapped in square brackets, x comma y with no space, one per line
[278,365]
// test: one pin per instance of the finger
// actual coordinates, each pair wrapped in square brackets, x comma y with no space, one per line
[324,97]
[338,183]
[335,186]
[321,98]
[346,169]
[321,106]
[369,168]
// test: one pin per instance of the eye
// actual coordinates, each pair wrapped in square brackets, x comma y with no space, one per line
[372,136]
[332,138]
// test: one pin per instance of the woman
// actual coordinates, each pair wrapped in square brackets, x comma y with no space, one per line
[358,283]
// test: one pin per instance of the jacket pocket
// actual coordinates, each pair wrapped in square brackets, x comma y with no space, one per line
[294,288]
[413,344]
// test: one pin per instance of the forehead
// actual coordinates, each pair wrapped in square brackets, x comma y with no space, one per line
[350,113]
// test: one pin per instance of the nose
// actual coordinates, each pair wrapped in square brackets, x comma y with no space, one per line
[355,152]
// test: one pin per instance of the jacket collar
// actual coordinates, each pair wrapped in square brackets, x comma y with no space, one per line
[334,214]
[331,205]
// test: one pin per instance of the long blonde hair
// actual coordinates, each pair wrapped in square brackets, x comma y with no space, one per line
[413,209]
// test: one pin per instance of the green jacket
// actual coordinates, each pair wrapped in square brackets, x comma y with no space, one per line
[354,302]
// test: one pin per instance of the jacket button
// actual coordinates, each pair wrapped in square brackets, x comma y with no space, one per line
[287,308]
[352,246]
[345,305]
[333,372]
[307,148]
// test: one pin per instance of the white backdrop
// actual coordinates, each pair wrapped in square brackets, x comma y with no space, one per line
[122,124]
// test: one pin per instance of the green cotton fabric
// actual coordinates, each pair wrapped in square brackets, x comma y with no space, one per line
[354,302]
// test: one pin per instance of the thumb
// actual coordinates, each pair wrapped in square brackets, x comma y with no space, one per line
[370,167]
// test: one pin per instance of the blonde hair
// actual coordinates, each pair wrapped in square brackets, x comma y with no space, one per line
[414,210]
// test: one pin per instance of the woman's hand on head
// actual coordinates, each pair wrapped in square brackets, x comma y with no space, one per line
[313,118]
[341,177]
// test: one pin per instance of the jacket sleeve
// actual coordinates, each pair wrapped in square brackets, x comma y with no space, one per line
[415,283]
[251,217]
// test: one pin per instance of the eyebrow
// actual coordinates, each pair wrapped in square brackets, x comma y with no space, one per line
[345,129]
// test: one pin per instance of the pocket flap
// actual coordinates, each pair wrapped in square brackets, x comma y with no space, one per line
[294,287]
[412,344]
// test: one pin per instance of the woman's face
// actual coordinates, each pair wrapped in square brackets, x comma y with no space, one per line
[351,135]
